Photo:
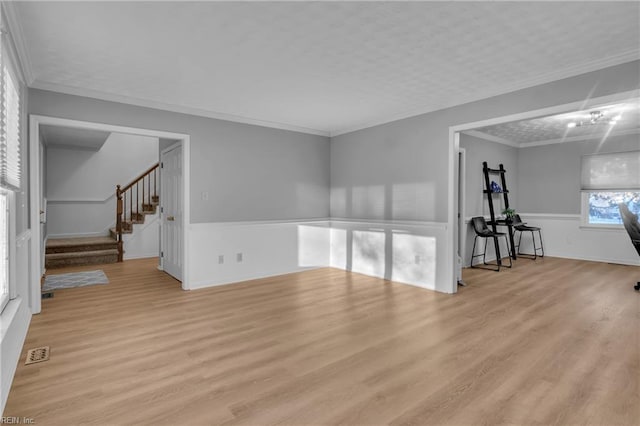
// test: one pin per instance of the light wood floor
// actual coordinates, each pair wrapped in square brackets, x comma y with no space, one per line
[548,342]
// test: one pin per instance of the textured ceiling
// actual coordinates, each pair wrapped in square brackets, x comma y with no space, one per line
[67,137]
[554,128]
[324,66]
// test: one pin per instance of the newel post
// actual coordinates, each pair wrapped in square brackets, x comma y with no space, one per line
[119,211]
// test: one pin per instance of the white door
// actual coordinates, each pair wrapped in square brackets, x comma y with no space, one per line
[171,212]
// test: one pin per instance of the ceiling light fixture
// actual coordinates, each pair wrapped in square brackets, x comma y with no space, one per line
[595,117]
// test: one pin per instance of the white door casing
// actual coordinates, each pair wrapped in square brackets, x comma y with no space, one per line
[171,212]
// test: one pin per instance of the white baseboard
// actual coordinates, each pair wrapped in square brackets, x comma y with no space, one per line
[594,259]
[248,277]
[140,256]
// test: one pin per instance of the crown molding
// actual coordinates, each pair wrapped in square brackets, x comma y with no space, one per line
[491,138]
[485,94]
[579,138]
[572,71]
[17,35]
[95,94]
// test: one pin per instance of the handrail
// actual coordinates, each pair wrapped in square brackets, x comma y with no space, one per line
[122,193]
[139,178]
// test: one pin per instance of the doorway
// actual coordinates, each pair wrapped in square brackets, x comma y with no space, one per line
[36,201]
[457,198]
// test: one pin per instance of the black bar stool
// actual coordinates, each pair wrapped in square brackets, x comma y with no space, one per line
[482,230]
[522,227]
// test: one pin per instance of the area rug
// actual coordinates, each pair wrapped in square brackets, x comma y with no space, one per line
[74,279]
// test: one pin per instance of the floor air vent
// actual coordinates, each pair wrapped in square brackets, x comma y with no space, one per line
[37,355]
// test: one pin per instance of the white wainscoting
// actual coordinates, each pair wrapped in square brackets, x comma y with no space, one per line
[407,252]
[267,248]
[563,236]
[15,319]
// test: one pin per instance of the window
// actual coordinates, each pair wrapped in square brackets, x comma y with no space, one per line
[10,169]
[608,180]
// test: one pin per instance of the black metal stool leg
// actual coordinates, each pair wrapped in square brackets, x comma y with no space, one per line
[535,249]
[484,255]
[541,245]
[473,251]
[506,240]
[519,240]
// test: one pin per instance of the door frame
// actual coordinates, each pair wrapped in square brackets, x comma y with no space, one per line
[35,173]
[454,146]
[462,204]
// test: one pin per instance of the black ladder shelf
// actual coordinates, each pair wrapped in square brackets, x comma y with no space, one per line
[505,194]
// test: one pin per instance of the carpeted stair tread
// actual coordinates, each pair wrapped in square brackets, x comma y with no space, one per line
[63,242]
[94,257]
[82,254]
[68,245]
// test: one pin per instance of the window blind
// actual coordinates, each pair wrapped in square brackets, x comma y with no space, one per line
[614,171]
[9,123]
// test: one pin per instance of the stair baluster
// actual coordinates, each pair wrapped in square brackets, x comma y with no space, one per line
[137,201]
[119,210]
[124,223]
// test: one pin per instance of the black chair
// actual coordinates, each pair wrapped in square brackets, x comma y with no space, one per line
[630,221]
[520,226]
[482,230]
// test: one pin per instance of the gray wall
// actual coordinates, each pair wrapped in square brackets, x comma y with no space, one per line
[399,170]
[80,183]
[80,174]
[249,172]
[477,151]
[549,175]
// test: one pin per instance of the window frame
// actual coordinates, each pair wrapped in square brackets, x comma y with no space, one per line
[587,188]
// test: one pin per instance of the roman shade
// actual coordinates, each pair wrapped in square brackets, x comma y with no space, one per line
[619,171]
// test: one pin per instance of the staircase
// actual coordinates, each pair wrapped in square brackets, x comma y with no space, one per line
[61,252]
[133,203]
[136,217]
